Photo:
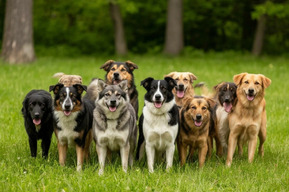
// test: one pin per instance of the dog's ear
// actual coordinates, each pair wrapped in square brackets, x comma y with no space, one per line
[172,83]
[146,83]
[25,105]
[123,86]
[217,87]
[101,85]
[131,65]
[266,81]
[238,78]
[170,74]
[212,103]
[107,64]
[192,77]
[186,103]
[55,88]
[80,88]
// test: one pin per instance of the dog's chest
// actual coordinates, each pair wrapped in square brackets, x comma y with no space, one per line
[157,131]
[112,138]
[222,117]
[67,134]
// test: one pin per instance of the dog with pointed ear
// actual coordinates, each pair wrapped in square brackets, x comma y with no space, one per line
[249,116]
[117,72]
[68,80]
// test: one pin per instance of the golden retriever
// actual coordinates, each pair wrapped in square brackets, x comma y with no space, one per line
[248,119]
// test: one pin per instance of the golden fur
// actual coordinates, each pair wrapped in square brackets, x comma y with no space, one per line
[195,133]
[248,119]
[186,80]
[68,80]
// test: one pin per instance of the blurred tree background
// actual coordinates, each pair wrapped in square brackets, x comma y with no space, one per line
[87,27]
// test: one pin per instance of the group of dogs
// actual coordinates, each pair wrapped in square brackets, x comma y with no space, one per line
[172,113]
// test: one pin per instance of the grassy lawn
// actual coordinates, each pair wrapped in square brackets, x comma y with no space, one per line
[20,172]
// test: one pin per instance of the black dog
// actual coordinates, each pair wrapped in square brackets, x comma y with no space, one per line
[38,120]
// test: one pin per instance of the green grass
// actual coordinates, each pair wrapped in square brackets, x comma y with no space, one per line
[20,172]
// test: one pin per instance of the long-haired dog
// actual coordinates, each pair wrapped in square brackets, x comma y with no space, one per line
[248,120]
[158,125]
[195,120]
[184,87]
[226,98]
[73,121]
[119,71]
[38,120]
[68,80]
[114,124]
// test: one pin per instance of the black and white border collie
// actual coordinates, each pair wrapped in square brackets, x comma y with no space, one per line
[72,121]
[158,123]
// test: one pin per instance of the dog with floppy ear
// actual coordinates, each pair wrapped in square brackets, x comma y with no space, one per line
[195,122]
[68,80]
[184,87]
[248,120]
[119,71]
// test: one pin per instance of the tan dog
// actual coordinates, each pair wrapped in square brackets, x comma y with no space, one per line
[184,86]
[68,80]
[195,117]
[248,120]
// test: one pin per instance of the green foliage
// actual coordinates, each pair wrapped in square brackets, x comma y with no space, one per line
[20,172]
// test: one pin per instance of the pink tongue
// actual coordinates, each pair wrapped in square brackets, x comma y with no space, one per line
[112,109]
[67,113]
[198,124]
[250,98]
[36,122]
[228,107]
[158,105]
[180,94]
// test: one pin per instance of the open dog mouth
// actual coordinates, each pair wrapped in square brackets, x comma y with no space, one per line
[180,92]
[158,104]
[37,121]
[198,123]
[250,97]
[116,81]
[227,106]
[112,108]
[67,112]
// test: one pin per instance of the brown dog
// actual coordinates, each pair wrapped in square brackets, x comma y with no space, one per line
[119,71]
[195,118]
[248,120]
[184,86]
[68,80]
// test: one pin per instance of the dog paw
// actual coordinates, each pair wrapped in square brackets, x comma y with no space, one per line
[100,172]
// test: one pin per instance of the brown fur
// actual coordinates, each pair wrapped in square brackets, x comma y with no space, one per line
[248,119]
[186,79]
[68,80]
[190,135]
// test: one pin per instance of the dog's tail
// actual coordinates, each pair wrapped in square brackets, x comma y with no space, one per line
[204,90]
[58,75]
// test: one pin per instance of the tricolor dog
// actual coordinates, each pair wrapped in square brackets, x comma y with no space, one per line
[158,123]
[73,121]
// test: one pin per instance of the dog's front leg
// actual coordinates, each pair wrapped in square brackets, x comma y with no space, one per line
[262,133]
[62,150]
[253,138]
[170,156]
[231,147]
[101,152]
[124,153]
[45,145]
[150,151]
[203,150]
[33,146]
[80,157]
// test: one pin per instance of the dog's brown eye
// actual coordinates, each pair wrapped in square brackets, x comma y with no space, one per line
[185,80]
[204,108]
[177,79]
[107,94]
[122,70]
[225,89]
[112,69]
[194,107]
[247,82]
[118,95]
[257,83]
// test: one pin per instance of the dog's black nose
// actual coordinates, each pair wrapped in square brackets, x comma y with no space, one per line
[198,116]
[112,102]
[158,97]
[181,86]
[67,106]
[227,99]
[36,115]
[251,91]
[116,75]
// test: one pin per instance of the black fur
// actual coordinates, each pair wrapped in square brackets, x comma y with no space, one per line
[227,95]
[38,105]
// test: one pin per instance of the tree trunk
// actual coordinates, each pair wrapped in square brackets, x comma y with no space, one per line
[17,45]
[259,36]
[119,37]
[174,42]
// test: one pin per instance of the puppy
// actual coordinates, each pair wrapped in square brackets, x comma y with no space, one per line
[38,120]
[184,86]
[195,118]
[72,121]
[248,119]
[226,98]
[119,71]
[114,124]
[68,80]
[158,123]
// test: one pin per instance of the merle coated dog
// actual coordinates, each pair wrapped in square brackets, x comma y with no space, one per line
[38,120]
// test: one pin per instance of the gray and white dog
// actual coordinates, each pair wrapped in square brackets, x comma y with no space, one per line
[114,124]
